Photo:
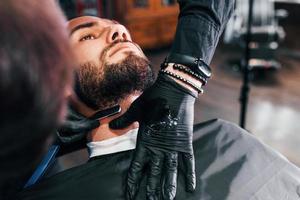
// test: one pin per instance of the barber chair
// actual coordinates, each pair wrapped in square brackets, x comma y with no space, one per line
[266,34]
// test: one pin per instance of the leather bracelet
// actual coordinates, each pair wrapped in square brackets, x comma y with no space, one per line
[197,65]
[199,89]
[190,72]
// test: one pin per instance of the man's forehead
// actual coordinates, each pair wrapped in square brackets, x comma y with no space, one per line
[87,19]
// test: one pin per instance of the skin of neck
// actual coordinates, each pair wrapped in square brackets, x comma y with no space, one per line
[103,132]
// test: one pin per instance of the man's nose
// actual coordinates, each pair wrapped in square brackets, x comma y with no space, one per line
[118,32]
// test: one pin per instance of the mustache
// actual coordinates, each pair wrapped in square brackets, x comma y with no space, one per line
[106,49]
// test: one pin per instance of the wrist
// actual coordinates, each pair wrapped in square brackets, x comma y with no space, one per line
[188,77]
[170,87]
[195,66]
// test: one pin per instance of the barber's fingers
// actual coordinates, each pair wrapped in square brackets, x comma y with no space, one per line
[76,123]
[133,114]
[70,138]
[73,115]
[135,172]
[154,175]
[170,179]
[123,121]
[190,175]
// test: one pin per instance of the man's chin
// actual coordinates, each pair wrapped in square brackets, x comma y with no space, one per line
[108,86]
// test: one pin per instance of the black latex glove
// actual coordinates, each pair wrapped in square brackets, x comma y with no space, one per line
[165,113]
[75,127]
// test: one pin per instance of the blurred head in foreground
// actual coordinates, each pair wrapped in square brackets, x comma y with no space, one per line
[35,71]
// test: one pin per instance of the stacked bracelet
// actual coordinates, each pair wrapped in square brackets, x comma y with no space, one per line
[196,64]
[199,89]
[164,65]
[190,72]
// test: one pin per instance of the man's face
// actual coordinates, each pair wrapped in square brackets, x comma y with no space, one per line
[111,65]
[93,38]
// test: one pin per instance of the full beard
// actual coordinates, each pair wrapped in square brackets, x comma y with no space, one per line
[107,86]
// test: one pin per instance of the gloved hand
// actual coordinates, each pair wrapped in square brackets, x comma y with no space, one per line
[165,113]
[75,127]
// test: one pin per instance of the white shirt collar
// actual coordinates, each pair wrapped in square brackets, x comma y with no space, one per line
[121,143]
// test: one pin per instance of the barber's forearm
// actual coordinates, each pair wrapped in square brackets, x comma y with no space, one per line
[200,25]
[201,22]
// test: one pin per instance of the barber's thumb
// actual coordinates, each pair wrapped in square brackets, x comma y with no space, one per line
[123,121]
[93,124]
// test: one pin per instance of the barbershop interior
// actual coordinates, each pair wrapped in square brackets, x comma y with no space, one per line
[252,79]
[271,108]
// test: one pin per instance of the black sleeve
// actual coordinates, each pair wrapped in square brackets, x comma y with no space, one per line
[200,24]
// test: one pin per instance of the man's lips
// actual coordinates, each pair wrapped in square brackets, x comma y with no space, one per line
[121,46]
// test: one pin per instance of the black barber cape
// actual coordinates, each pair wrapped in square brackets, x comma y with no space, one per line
[230,164]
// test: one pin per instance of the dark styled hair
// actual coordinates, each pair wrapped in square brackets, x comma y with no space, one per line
[35,69]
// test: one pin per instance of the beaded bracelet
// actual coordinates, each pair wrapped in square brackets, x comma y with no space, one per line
[190,72]
[199,89]
[186,71]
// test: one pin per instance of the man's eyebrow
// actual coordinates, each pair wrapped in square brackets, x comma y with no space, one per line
[81,26]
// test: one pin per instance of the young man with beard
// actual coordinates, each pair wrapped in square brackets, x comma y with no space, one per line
[230,163]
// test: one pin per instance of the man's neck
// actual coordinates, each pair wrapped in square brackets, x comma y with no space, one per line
[103,132]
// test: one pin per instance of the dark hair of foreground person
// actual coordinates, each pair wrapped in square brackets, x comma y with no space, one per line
[35,70]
